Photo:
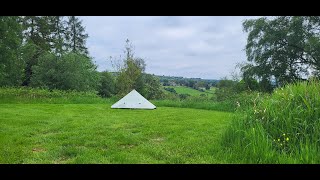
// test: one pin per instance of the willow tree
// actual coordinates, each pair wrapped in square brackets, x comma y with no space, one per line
[283,49]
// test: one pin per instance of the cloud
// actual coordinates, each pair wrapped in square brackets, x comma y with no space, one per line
[205,47]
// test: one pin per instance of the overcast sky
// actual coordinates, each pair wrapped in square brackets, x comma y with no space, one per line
[204,47]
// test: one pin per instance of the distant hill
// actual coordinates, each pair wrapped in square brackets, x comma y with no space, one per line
[182,81]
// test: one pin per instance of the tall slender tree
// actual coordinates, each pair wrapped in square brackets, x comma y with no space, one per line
[58,34]
[76,36]
[37,40]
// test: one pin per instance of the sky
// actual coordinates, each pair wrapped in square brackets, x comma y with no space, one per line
[207,47]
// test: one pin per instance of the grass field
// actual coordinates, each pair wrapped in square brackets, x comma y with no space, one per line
[95,133]
[192,92]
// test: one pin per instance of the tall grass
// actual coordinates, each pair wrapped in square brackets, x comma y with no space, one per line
[281,128]
[238,102]
[35,95]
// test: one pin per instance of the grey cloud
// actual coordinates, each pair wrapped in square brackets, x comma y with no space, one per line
[206,47]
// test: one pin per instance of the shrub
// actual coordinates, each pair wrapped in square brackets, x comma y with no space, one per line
[69,72]
[170,90]
[184,96]
[107,85]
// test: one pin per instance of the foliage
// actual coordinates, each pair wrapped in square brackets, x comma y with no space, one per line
[25,39]
[132,76]
[107,85]
[170,89]
[69,72]
[129,78]
[130,73]
[184,96]
[282,128]
[188,82]
[152,87]
[36,95]
[282,50]
[11,63]
[76,36]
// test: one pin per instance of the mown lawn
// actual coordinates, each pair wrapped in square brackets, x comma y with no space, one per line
[95,133]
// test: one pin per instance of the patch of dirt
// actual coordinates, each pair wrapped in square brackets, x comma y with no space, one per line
[127,146]
[158,139]
[61,160]
[37,150]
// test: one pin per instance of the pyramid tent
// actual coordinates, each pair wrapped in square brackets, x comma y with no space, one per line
[133,100]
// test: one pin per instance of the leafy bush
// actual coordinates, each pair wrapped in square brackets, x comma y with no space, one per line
[69,72]
[107,85]
[170,90]
[184,96]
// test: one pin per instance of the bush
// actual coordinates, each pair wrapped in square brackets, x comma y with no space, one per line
[170,90]
[107,85]
[69,72]
[281,128]
[184,96]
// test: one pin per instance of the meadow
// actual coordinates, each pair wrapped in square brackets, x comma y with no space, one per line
[57,127]
[42,127]
[192,92]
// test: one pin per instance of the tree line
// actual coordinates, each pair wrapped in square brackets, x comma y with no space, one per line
[27,41]
[50,52]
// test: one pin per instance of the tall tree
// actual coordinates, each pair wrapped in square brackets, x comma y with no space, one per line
[11,63]
[76,36]
[58,34]
[37,40]
[130,76]
[282,49]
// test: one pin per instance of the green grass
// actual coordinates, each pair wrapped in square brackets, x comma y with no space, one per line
[197,104]
[95,133]
[31,95]
[192,92]
[281,128]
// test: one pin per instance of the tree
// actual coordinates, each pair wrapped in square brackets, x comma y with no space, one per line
[225,89]
[130,75]
[207,86]
[152,89]
[107,85]
[36,35]
[282,49]
[76,36]
[165,82]
[59,31]
[11,63]
[69,72]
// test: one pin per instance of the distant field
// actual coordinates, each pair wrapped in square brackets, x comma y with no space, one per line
[95,133]
[192,92]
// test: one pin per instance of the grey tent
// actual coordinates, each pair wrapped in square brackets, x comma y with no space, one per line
[133,100]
